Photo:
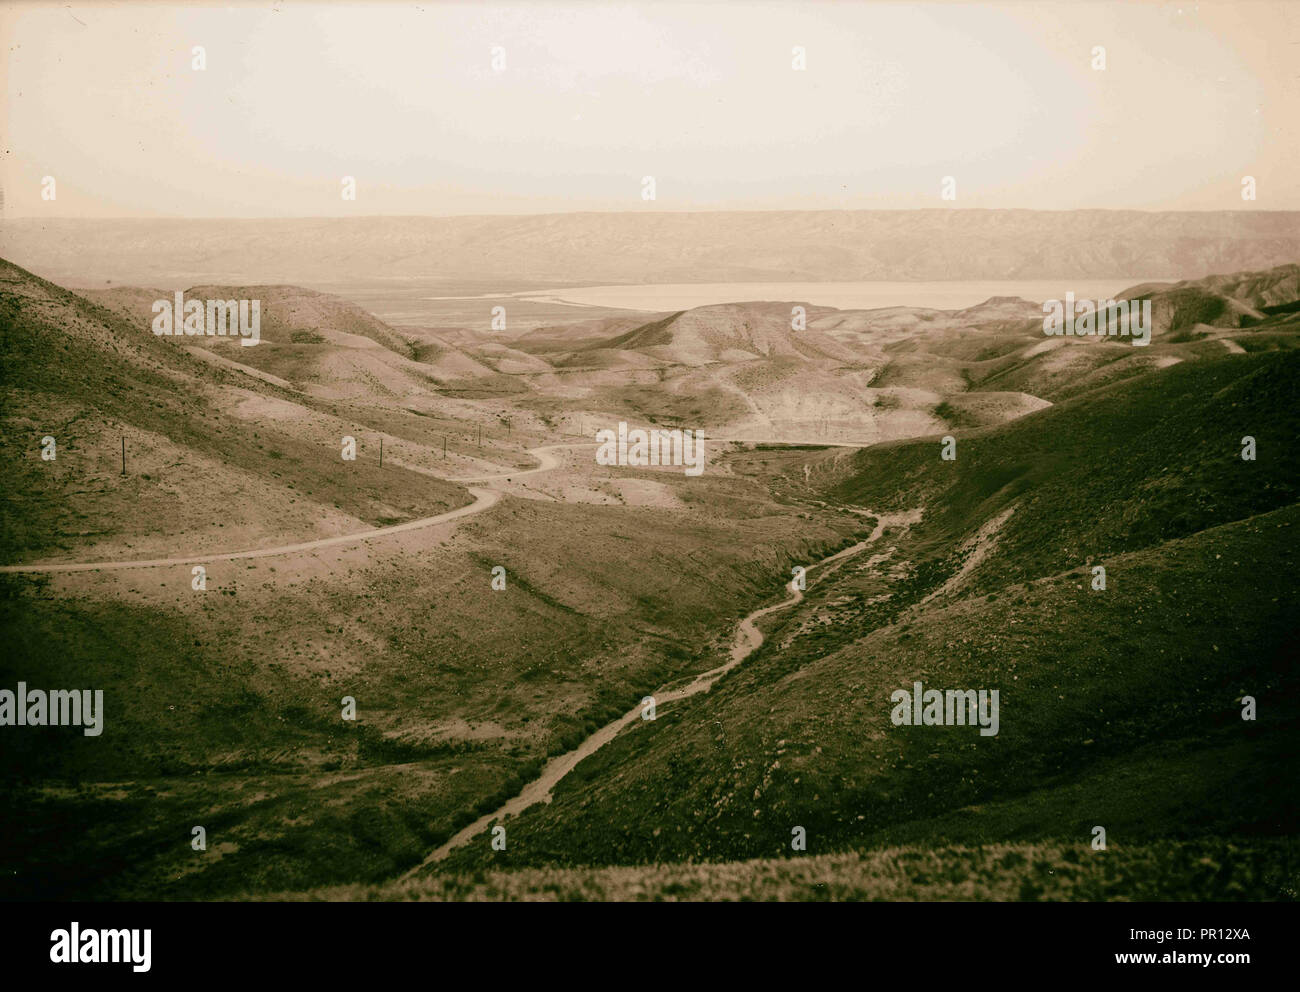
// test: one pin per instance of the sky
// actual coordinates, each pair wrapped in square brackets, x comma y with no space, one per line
[592,98]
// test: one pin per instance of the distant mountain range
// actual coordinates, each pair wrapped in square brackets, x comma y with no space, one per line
[655,247]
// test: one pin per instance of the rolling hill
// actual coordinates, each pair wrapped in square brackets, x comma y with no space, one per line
[198,436]
[865,376]
[1120,707]
[223,702]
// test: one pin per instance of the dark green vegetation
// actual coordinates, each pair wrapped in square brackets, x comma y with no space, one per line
[1120,708]
[1189,871]
[223,708]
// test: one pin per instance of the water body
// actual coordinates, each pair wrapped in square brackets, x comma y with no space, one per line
[841,295]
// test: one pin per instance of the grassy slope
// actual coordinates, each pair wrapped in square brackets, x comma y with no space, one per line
[1206,870]
[1121,468]
[1145,479]
[81,373]
[223,710]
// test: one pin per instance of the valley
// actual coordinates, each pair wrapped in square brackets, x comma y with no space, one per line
[520,706]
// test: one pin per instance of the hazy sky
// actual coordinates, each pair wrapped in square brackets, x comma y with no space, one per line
[593,97]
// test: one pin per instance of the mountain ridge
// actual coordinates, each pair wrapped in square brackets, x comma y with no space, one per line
[659,247]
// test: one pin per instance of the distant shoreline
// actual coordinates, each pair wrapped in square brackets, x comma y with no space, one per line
[955,294]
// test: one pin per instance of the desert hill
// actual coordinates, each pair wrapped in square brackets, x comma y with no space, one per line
[730,333]
[317,341]
[225,702]
[872,375]
[1119,707]
[225,457]
[289,314]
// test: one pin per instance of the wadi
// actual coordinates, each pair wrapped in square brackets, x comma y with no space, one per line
[486,600]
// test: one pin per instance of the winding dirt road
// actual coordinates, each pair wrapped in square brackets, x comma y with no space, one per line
[484,499]
[747,640]
[546,462]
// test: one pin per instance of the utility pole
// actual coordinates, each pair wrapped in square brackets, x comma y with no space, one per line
[124,454]
[444,446]
[381,452]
